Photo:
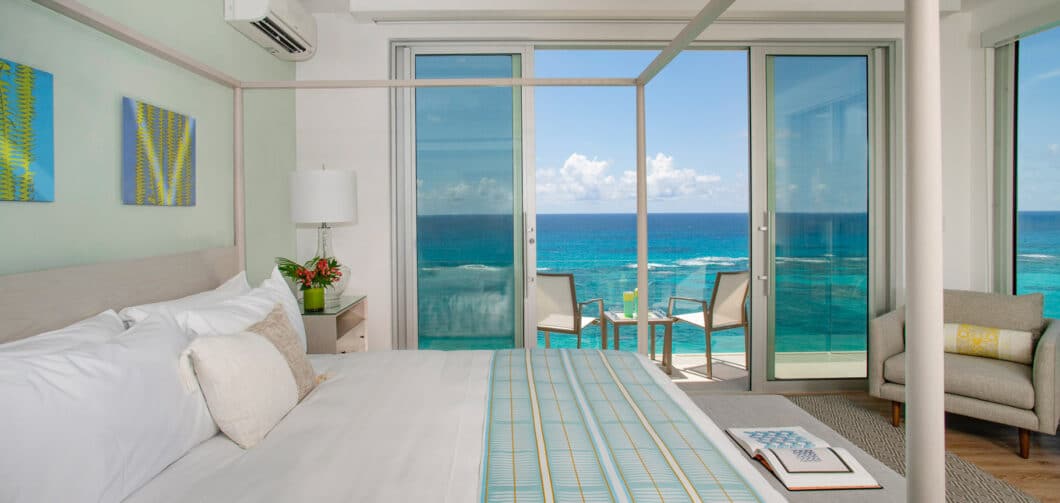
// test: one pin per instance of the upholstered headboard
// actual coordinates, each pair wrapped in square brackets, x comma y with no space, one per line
[35,302]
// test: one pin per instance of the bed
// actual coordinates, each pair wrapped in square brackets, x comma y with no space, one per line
[509,425]
[460,426]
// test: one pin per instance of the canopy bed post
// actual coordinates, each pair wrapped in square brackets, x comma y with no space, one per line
[925,426]
[238,186]
[642,227]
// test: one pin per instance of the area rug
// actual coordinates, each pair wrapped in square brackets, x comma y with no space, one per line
[868,430]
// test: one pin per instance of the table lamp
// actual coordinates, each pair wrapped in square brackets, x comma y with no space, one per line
[323,196]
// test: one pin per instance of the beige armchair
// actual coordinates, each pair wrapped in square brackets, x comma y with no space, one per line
[558,310]
[1024,396]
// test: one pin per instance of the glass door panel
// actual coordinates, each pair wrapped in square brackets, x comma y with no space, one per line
[818,172]
[468,147]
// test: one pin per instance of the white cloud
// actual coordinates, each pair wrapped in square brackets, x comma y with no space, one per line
[665,181]
[584,179]
[486,196]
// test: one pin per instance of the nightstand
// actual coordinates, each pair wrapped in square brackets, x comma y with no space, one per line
[337,329]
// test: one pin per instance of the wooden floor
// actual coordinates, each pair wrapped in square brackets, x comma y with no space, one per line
[994,448]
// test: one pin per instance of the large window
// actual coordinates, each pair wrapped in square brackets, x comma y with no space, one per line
[818,176]
[468,144]
[1037,205]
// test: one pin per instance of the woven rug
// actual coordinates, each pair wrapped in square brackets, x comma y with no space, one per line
[868,430]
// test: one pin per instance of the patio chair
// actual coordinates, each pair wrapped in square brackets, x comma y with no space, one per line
[558,310]
[726,310]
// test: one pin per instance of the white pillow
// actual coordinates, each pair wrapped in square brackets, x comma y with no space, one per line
[237,285]
[247,384]
[95,423]
[236,314]
[95,330]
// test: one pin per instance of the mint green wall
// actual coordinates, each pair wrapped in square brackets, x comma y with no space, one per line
[87,222]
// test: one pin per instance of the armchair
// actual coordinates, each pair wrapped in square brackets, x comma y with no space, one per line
[726,310]
[558,310]
[1024,396]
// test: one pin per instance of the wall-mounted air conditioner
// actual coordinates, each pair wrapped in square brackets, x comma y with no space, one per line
[282,27]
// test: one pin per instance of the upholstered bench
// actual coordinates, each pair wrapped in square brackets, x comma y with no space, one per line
[1024,395]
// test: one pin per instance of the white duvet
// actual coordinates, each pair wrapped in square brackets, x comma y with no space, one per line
[385,426]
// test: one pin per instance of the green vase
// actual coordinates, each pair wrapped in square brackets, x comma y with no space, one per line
[313,300]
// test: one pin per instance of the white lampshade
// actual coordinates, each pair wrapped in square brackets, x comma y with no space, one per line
[323,195]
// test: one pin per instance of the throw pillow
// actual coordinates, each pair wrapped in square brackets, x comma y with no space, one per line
[278,330]
[998,343]
[247,384]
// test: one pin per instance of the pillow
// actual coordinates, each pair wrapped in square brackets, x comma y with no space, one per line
[1011,312]
[278,330]
[236,314]
[247,384]
[94,423]
[234,287]
[95,330]
[997,343]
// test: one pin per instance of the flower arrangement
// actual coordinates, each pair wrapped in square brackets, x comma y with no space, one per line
[316,273]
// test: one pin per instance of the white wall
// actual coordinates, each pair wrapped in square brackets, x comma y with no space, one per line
[351,129]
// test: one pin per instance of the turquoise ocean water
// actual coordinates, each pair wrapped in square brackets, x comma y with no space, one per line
[467,288]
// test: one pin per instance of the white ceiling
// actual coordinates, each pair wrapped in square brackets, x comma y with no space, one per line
[581,10]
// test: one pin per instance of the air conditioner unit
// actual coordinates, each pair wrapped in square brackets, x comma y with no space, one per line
[282,27]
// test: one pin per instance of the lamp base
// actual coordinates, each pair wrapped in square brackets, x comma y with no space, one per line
[333,293]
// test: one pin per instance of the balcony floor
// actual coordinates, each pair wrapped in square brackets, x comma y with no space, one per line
[731,374]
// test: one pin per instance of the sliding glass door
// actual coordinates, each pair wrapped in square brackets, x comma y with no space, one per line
[813,277]
[468,279]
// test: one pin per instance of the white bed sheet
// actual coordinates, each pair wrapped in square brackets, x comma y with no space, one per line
[385,426]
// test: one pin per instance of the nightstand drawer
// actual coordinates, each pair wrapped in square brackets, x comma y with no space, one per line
[337,330]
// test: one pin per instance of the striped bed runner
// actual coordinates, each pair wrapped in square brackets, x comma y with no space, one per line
[590,425]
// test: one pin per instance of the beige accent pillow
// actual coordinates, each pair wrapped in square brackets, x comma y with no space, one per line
[998,343]
[247,384]
[278,330]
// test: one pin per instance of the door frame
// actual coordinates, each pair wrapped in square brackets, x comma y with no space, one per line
[882,224]
[403,191]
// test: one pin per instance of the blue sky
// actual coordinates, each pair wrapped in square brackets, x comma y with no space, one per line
[697,118]
[697,133]
[1038,123]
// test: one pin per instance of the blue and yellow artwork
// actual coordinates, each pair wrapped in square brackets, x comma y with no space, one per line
[158,156]
[27,155]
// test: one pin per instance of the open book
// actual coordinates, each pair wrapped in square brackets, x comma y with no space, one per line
[802,461]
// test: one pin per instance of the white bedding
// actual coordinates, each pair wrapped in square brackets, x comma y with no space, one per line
[385,426]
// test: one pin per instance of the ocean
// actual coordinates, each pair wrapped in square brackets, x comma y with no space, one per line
[467,284]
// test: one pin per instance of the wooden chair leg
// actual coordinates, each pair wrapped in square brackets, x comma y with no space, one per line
[710,360]
[579,343]
[548,340]
[653,342]
[896,414]
[746,348]
[1025,443]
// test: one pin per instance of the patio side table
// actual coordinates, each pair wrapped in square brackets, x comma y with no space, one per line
[655,318]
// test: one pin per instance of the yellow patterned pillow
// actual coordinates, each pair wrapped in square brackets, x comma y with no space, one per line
[998,343]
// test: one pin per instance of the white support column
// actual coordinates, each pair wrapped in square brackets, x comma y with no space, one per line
[642,226]
[238,185]
[925,422]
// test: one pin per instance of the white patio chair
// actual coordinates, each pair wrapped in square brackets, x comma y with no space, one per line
[558,310]
[726,310]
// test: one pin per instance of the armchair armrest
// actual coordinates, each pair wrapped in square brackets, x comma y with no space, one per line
[886,339]
[600,304]
[1046,378]
[670,305]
